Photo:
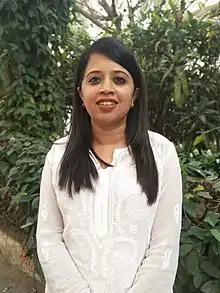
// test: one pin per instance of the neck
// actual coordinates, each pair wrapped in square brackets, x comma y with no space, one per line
[109,136]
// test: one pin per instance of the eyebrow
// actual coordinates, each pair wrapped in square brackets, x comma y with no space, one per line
[114,71]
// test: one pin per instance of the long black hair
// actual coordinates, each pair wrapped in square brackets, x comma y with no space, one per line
[77,170]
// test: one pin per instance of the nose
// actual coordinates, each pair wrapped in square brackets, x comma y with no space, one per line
[106,87]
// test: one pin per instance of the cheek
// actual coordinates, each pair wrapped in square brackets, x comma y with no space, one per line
[126,95]
[89,94]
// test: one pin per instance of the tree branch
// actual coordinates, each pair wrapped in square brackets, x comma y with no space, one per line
[107,8]
[138,5]
[130,12]
[100,19]
[98,15]
[86,6]
[114,7]
[209,11]
[93,19]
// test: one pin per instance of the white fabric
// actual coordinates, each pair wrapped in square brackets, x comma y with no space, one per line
[111,241]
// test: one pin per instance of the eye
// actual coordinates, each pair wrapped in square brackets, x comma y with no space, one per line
[119,80]
[94,80]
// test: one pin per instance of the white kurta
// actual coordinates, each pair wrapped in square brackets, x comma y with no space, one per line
[111,241]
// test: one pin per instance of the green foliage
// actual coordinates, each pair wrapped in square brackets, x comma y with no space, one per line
[32,93]
[181,64]
[38,53]
[36,45]
[21,163]
[199,265]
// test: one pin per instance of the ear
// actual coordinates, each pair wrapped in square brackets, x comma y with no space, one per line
[80,93]
[135,95]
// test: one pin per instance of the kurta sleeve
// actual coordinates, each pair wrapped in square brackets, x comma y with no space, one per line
[60,272]
[158,270]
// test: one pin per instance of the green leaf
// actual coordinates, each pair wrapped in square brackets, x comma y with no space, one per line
[35,203]
[172,4]
[184,84]
[197,232]
[185,249]
[192,262]
[216,186]
[166,73]
[214,249]
[14,6]
[177,92]
[211,287]
[210,269]
[216,234]
[157,45]
[31,13]
[203,118]
[49,107]
[10,151]
[4,168]
[198,188]
[212,219]
[189,195]
[12,172]
[205,194]
[198,279]
[190,207]
[201,5]
[186,239]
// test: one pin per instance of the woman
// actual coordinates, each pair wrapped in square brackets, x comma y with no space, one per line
[110,199]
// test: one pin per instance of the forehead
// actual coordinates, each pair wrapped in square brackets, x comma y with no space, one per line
[99,62]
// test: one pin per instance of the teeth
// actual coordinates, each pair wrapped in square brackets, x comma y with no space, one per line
[107,103]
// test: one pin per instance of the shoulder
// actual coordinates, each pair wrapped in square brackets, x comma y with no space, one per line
[160,142]
[162,147]
[57,150]
[61,142]
[165,155]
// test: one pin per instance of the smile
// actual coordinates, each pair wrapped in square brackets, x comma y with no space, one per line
[107,103]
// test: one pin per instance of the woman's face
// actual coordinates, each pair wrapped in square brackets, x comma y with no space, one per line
[107,90]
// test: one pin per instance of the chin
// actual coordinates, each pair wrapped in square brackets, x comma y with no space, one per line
[108,120]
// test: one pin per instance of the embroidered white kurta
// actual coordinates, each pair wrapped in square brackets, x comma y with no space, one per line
[111,241]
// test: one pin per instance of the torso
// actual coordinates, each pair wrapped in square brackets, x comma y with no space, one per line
[107,233]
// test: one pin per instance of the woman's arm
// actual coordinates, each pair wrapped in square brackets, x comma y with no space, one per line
[59,269]
[158,270]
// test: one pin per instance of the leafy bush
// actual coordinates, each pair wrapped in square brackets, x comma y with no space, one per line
[180,59]
[199,266]
[38,52]
[21,166]
[32,93]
